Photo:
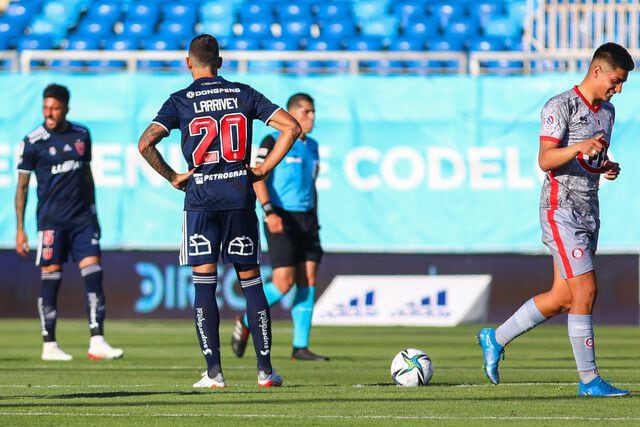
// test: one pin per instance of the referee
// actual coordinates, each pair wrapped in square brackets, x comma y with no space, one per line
[289,199]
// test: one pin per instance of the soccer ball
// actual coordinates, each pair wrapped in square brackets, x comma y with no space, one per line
[411,368]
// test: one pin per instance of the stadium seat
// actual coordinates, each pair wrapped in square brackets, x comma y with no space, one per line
[337,29]
[445,11]
[104,11]
[138,29]
[253,11]
[121,42]
[176,11]
[182,29]
[76,42]
[367,44]
[143,11]
[35,42]
[21,13]
[385,26]
[221,28]
[462,26]
[327,44]
[160,42]
[445,44]
[333,11]
[296,29]
[282,43]
[257,28]
[218,10]
[364,10]
[486,44]
[422,29]
[406,44]
[409,10]
[483,11]
[503,27]
[96,28]
[293,11]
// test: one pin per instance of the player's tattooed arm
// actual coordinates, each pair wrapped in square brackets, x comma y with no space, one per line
[22,245]
[147,147]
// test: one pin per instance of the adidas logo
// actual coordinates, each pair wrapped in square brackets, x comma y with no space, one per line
[67,147]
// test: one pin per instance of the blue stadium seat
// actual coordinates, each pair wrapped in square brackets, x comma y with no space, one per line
[221,28]
[257,28]
[409,10]
[117,43]
[281,43]
[183,29]
[104,11]
[96,28]
[160,42]
[77,42]
[462,26]
[333,10]
[486,44]
[296,28]
[62,13]
[293,11]
[183,10]
[485,10]
[385,26]
[21,13]
[367,44]
[139,29]
[445,44]
[143,11]
[338,29]
[255,11]
[327,44]
[244,43]
[406,44]
[447,10]
[35,42]
[10,32]
[503,27]
[363,10]
[218,10]
[422,29]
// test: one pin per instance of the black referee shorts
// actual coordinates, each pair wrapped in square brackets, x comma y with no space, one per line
[299,241]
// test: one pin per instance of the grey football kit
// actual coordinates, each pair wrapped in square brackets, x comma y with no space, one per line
[569,209]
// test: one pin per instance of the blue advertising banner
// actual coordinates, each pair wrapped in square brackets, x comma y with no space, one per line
[408,164]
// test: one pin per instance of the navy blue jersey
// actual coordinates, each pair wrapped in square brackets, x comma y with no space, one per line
[60,161]
[215,118]
[292,184]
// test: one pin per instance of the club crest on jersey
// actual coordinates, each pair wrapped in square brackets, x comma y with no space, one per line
[80,147]
[241,245]
[53,151]
[577,253]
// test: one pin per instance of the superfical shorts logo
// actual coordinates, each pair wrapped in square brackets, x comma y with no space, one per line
[577,253]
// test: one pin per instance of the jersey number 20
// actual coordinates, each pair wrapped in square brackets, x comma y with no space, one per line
[232,130]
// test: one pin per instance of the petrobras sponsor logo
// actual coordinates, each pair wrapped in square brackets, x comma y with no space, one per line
[201,178]
[404,300]
[67,166]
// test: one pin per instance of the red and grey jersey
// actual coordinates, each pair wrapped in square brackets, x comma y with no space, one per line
[215,118]
[567,119]
[60,160]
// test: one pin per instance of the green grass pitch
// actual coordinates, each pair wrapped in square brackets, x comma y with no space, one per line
[152,384]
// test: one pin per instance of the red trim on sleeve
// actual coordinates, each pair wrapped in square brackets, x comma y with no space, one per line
[550,139]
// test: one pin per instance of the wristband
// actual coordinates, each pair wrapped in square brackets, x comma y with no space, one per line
[268,209]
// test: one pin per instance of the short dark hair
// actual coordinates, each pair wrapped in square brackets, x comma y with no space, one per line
[615,56]
[296,98]
[205,51]
[56,91]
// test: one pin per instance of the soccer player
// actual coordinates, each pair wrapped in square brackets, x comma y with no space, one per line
[574,139]
[59,152]
[288,197]
[215,119]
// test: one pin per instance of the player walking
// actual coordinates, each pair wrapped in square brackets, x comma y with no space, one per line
[288,197]
[59,153]
[215,119]
[574,139]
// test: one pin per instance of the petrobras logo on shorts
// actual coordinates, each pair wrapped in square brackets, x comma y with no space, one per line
[404,300]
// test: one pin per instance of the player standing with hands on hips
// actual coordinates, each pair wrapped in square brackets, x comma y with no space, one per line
[574,139]
[215,118]
[289,200]
[59,152]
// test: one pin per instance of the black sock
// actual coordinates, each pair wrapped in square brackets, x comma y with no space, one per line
[207,320]
[94,298]
[48,304]
[259,318]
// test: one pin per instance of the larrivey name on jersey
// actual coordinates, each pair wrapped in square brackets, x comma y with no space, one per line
[215,105]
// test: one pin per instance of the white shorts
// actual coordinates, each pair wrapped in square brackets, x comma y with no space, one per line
[572,238]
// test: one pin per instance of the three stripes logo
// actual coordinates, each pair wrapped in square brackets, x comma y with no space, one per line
[435,305]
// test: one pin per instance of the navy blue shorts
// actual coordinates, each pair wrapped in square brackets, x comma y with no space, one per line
[231,236]
[55,245]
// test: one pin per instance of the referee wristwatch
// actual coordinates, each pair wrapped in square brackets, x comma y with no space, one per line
[268,208]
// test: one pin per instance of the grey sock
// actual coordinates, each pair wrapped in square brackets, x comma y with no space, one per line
[526,318]
[580,328]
